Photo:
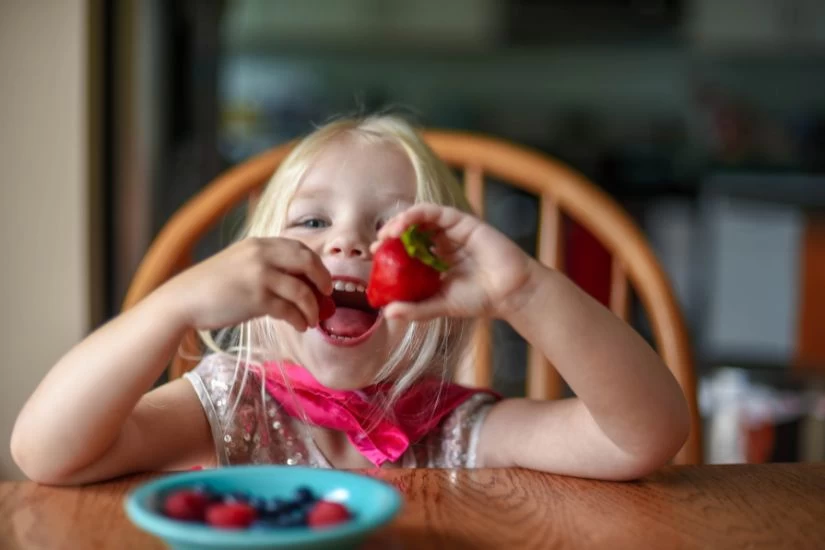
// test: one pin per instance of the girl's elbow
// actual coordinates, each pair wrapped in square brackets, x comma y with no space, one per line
[684,425]
[25,457]
[665,444]
[31,462]
[660,449]
[679,428]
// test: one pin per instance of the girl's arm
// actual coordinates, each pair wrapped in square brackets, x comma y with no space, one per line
[629,416]
[89,418]
[86,420]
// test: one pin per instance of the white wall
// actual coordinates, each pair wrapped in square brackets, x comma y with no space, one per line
[43,185]
[753,255]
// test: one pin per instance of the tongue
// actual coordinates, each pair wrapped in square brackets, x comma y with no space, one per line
[349,322]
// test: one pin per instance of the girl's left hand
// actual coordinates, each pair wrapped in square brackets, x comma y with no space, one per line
[488,274]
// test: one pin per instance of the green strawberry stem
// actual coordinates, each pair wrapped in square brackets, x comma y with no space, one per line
[417,244]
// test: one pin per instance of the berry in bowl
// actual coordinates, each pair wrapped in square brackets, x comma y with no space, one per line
[263,507]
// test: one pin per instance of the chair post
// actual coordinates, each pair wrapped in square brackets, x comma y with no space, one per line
[481,375]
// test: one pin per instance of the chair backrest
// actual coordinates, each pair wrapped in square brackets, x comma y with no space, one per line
[561,191]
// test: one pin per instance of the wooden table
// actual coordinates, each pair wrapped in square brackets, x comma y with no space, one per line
[718,507]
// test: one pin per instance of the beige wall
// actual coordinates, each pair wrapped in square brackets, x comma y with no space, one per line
[43,186]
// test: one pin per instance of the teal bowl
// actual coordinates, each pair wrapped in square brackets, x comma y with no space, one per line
[373,503]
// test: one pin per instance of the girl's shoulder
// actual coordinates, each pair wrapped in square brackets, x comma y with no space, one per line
[248,427]
[217,369]
[454,443]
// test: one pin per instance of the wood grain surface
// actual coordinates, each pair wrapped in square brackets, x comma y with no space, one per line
[745,506]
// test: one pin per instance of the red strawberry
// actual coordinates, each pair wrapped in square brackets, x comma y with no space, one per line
[326,305]
[325,513]
[404,270]
[186,505]
[235,515]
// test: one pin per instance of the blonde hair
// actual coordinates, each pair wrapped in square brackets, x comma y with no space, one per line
[429,348]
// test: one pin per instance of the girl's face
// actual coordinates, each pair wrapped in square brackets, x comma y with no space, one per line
[348,193]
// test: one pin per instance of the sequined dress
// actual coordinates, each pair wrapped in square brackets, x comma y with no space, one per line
[259,432]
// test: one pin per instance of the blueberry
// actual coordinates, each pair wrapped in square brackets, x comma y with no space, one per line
[237,496]
[202,488]
[259,503]
[306,507]
[292,519]
[300,516]
[278,507]
[304,495]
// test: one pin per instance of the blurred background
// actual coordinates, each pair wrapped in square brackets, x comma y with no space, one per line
[705,119]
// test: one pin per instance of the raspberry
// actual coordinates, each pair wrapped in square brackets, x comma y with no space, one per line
[326,513]
[236,515]
[186,505]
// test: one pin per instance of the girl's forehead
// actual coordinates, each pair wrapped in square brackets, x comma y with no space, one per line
[349,165]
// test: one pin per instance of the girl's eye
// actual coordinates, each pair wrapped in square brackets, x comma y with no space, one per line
[313,223]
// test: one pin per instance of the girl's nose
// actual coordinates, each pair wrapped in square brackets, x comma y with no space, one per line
[348,246]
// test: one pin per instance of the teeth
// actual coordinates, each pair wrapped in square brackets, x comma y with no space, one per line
[345,286]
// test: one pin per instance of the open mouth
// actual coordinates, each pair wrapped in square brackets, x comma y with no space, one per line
[354,320]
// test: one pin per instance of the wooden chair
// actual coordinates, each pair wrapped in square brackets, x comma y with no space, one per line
[560,190]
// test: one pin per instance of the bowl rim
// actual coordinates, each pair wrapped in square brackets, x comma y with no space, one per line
[193,533]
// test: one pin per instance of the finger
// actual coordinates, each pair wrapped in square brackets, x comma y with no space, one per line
[451,223]
[298,293]
[452,259]
[278,308]
[295,257]
[443,245]
[416,311]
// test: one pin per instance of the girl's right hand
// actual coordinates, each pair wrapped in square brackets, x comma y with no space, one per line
[254,277]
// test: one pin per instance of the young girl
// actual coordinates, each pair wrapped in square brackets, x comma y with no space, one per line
[364,388]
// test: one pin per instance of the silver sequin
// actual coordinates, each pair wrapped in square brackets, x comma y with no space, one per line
[276,439]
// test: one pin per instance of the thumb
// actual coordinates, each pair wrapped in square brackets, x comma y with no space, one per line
[431,308]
